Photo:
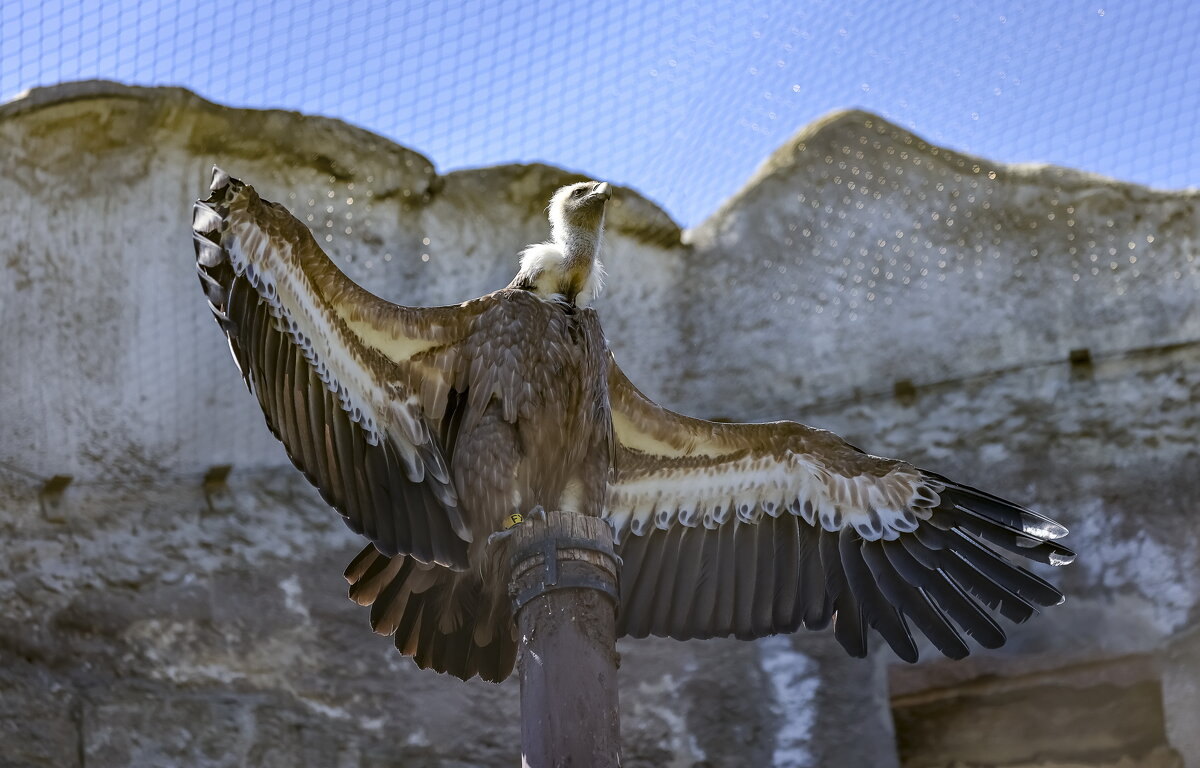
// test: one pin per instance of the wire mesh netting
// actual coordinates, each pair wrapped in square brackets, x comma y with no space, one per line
[681,100]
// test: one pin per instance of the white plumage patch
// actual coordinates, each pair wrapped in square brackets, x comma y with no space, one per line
[541,258]
[543,265]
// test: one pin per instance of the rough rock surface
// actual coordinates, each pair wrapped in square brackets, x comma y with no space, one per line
[152,618]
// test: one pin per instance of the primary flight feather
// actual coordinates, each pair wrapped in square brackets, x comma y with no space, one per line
[426,428]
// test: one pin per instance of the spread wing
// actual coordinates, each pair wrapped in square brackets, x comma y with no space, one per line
[362,393]
[756,529]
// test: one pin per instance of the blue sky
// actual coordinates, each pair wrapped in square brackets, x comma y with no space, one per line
[681,100]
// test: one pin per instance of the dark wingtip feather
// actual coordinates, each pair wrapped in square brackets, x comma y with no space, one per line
[913,602]
[1001,511]
[948,595]
[876,608]
[1033,523]
[1015,540]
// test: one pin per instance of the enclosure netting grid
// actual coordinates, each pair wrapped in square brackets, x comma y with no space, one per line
[681,101]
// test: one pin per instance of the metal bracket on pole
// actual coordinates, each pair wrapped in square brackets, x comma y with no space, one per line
[549,547]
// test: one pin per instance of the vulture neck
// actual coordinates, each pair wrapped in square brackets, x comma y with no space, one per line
[581,250]
[567,268]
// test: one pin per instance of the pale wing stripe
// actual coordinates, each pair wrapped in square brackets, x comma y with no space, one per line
[750,486]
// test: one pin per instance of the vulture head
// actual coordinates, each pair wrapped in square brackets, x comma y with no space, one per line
[568,267]
[579,207]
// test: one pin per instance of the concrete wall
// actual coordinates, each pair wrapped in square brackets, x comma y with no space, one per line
[149,618]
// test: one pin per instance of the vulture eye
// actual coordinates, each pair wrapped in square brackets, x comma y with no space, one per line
[577,192]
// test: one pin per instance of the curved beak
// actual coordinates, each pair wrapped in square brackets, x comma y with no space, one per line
[603,191]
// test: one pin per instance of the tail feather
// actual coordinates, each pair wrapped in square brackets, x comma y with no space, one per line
[369,574]
[448,621]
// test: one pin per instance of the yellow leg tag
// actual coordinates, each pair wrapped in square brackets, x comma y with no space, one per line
[513,519]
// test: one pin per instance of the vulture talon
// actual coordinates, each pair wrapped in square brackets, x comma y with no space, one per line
[499,536]
[537,513]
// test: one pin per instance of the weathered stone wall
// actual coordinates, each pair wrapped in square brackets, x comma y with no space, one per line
[893,259]
[151,619]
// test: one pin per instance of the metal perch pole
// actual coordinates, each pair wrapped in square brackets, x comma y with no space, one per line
[564,587]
